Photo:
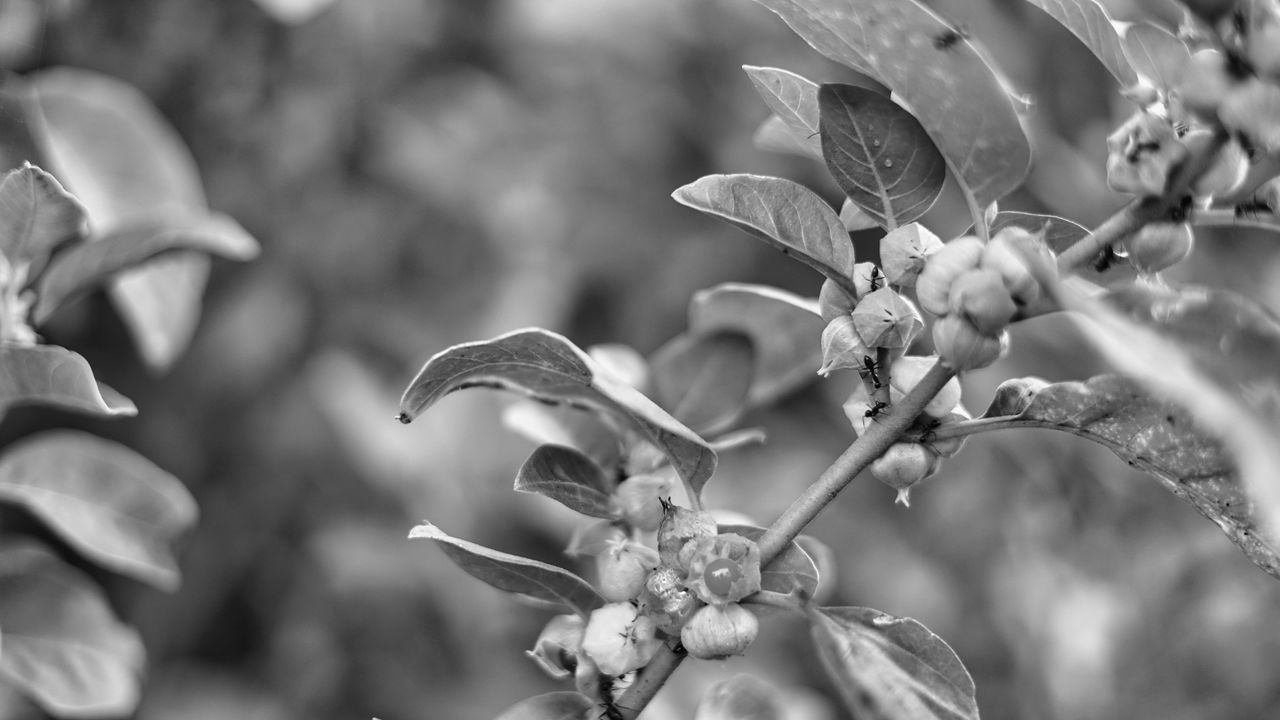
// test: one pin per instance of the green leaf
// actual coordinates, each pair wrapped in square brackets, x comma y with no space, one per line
[1089,21]
[117,154]
[741,697]
[87,265]
[20,122]
[793,99]
[947,85]
[1156,54]
[891,668]
[704,380]
[62,645]
[568,477]
[1153,435]
[547,366]
[784,214]
[792,570]
[36,216]
[51,375]
[514,574]
[551,706]
[879,154]
[785,330]
[774,135]
[111,504]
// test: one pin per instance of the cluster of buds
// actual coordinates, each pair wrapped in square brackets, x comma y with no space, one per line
[977,289]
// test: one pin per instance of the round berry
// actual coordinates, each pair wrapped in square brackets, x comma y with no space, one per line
[903,465]
[718,631]
[720,576]
[1160,245]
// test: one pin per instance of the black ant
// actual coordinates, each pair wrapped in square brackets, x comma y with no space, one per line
[875,409]
[1252,208]
[876,278]
[611,710]
[1106,259]
[1178,213]
[949,37]
[868,370]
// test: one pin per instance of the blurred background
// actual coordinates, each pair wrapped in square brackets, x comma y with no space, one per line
[426,172]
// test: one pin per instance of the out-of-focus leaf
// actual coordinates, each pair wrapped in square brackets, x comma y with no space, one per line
[824,559]
[784,214]
[938,75]
[1213,353]
[854,217]
[87,265]
[551,706]
[51,375]
[113,505]
[1156,54]
[1089,21]
[62,645]
[1060,234]
[548,366]
[891,668]
[514,574]
[111,148]
[704,380]
[792,570]
[785,329]
[294,12]
[568,477]
[1153,435]
[741,697]
[556,425]
[19,122]
[879,154]
[36,216]
[792,98]
[774,135]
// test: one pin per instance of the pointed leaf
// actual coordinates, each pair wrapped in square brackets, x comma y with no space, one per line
[36,216]
[939,76]
[786,215]
[1153,435]
[568,477]
[879,154]
[774,135]
[51,375]
[1089,21]
[785,330]
[548,366]
[704,380]
[62,645]
[514,574]
[551,706]
[891,668]
[113,150]
[87,265]
[1156,54]
[792,570]
[111,504]
[792,98]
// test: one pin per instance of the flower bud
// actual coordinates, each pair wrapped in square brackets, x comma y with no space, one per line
[1142,154]
[1160,245]
[556,649]
[841,346]
[718,631]
[1253,110]
[903,251]
[667,600]
[962,347]
[950,446]
[903,465]
[679,526]
[981,297]
[623,568]
[941,268]
[619,639]
[638,499]
[885,319]
[1020,257]
[833,301]
[1205,83]
[905,374]
[860,414]
[724,568]
[1228,170]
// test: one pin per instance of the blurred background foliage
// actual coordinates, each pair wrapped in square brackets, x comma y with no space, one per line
[426,172]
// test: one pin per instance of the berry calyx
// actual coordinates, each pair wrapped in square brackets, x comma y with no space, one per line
[718,631]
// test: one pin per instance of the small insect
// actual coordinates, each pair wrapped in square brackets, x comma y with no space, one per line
[876,408]
[877,278]
[949,37]
[1106,259]
[611,710]
[868,370]
[1252,208]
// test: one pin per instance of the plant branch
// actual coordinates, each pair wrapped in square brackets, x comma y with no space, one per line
[878,437]
[1141,211]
